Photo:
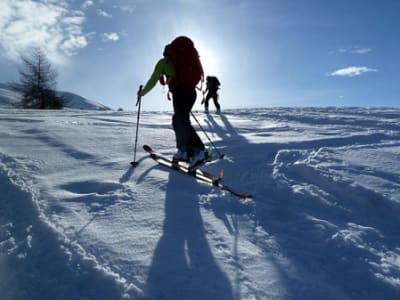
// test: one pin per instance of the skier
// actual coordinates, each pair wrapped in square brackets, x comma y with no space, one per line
[212,86]
[181,69]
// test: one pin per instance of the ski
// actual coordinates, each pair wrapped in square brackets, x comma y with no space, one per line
[198,174]
[202,175]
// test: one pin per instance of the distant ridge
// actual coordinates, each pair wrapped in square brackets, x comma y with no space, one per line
[75,101]
[9,98]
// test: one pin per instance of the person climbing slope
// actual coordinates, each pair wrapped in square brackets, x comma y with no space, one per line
[212,87]
[181,69]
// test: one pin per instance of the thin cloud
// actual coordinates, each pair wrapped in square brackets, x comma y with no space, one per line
[353,50]
[361,50]
[103,13]
[352,71]
[126,8]
[110,37]
[58,31]
[87,4]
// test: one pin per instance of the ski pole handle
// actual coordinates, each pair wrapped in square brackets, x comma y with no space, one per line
[138,95]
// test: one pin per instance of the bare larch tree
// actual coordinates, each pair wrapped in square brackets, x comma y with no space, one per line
[38,82]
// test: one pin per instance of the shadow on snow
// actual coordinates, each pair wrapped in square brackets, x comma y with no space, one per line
[183,266]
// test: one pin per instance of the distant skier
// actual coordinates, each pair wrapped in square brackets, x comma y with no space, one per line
[181,69]
[212,84]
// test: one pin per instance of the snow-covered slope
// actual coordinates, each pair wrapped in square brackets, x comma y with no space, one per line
[75,101]
[9,98]
[78,222]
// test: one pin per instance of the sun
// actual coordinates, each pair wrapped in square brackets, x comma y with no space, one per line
[208,61]
[207,57]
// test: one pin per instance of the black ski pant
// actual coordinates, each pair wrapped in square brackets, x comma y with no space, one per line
[183,99]
[214,95]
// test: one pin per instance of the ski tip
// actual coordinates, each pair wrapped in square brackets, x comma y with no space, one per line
[147,148]
[243,196]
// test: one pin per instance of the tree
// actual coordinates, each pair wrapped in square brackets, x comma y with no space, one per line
[37,82]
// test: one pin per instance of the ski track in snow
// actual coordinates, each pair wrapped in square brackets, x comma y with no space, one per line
[77,222]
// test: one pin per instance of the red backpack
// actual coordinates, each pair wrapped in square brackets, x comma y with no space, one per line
[186,61]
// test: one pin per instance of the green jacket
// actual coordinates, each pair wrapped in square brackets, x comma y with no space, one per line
[164,66]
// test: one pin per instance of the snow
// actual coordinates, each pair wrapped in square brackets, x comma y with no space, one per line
[78,222]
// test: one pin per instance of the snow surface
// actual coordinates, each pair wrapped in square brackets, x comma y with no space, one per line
[78,222]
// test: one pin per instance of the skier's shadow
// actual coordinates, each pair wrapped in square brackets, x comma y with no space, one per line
[225,132]
[183,266]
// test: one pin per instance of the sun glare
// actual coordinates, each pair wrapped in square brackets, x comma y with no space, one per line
[208,61]
[207,57]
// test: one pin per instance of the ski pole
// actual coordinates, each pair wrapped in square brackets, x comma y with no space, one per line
[138,103]
[216,149]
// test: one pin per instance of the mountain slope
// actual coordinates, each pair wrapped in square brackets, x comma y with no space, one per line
[9,98]
[78,222]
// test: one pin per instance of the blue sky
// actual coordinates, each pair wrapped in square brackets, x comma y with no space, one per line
[265,53]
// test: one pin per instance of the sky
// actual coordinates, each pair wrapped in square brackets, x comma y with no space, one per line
[266,53]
